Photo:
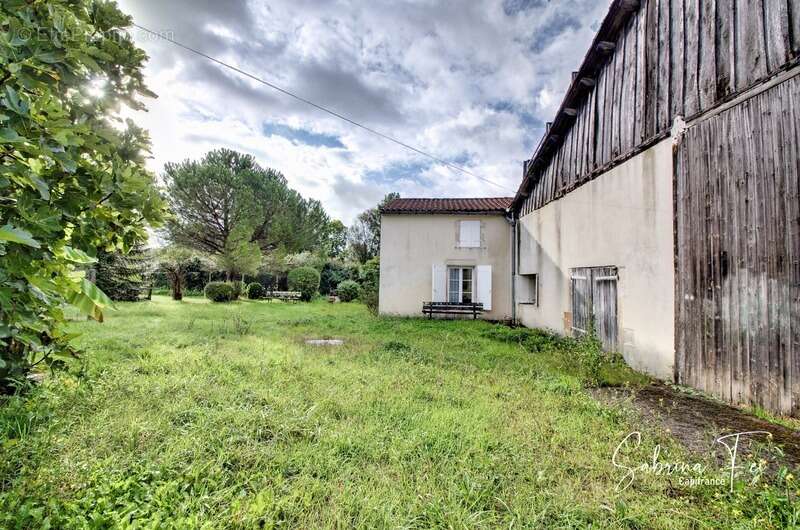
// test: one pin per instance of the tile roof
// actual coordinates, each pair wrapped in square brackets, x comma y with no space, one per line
[420,206]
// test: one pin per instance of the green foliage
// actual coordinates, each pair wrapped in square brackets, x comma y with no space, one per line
[256,291]
[72,175]
[337,239]
[238,287]
[364,237]
[582,358]
[220,292]
[348,291]
[125,277]
[229,207]
[370,284]
[305,280]
[177,263]
[240,256]
[335,272]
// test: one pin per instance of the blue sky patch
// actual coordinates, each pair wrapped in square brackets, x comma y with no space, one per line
[302,136]
[399,171]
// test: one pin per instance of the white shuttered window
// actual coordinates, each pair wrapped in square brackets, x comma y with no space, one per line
[469,234]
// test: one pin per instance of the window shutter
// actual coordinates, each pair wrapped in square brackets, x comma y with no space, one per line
[438,283]
[469,234]
[484,286]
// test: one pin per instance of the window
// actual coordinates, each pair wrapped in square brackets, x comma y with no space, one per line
[529,289]
[469,234]
[460,285]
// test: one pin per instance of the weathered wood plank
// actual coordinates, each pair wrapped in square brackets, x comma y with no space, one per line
[616,98]
[794,12]
[750,52]
[628,102]
[640,84]
[649,92]
[591,134]
[665,60]
[725,49]
[707,53]
[677,65]
[691,19]
[777,34]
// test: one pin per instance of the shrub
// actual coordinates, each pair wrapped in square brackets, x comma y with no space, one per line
[348,291]
[305,280]
[370,285]
[220,292]
[256,291]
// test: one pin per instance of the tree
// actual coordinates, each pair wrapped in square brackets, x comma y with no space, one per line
[125,277]
[177,263]
[305,280]
[72,178]
[240,256]
[364,237]
[336,242]
[227,195]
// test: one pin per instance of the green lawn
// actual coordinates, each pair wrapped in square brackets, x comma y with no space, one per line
[198,415]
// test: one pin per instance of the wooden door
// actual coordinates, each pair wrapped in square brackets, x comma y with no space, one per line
[594,304]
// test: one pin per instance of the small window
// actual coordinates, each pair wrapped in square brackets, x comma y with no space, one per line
[460,285]
[529,289]
[469,234]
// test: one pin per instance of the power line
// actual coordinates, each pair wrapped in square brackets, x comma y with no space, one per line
[317,106]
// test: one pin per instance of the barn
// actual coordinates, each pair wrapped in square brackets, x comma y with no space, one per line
[660,210]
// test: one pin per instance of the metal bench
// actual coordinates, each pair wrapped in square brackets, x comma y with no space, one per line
[448,308]
[286,296]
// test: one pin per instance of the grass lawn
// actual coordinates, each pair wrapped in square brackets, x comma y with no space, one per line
[198,415]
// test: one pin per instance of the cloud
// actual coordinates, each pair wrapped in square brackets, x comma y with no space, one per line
[470,82]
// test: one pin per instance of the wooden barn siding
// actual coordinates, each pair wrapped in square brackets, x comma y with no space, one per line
[738,252]
[672,58]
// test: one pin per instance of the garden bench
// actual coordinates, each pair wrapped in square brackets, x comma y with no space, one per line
[286,296]
[449,308]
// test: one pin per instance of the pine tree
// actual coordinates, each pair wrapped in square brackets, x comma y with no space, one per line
[125,277]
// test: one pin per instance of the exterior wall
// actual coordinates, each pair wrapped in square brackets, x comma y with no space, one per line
[412,244]
[670,58]
[623,218]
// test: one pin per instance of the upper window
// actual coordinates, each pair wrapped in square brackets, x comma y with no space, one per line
[469,234]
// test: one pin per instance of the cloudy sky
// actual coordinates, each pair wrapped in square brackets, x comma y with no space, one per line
[470,81]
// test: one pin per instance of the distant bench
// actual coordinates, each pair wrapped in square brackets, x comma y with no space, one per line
[448,308]
[286,296]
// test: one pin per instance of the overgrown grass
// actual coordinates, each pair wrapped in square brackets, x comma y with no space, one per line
[198,415]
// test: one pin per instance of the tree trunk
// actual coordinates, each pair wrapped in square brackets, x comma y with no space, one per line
[177,287]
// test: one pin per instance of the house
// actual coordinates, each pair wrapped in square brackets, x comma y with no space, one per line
[446,250]
[661,209]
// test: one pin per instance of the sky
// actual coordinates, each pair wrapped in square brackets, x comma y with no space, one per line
[471,82]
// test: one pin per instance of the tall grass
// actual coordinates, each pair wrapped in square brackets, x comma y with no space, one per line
[195,415]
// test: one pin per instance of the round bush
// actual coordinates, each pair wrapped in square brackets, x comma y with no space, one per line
[256,291]
[348,291]
[219,292]
[305,280]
